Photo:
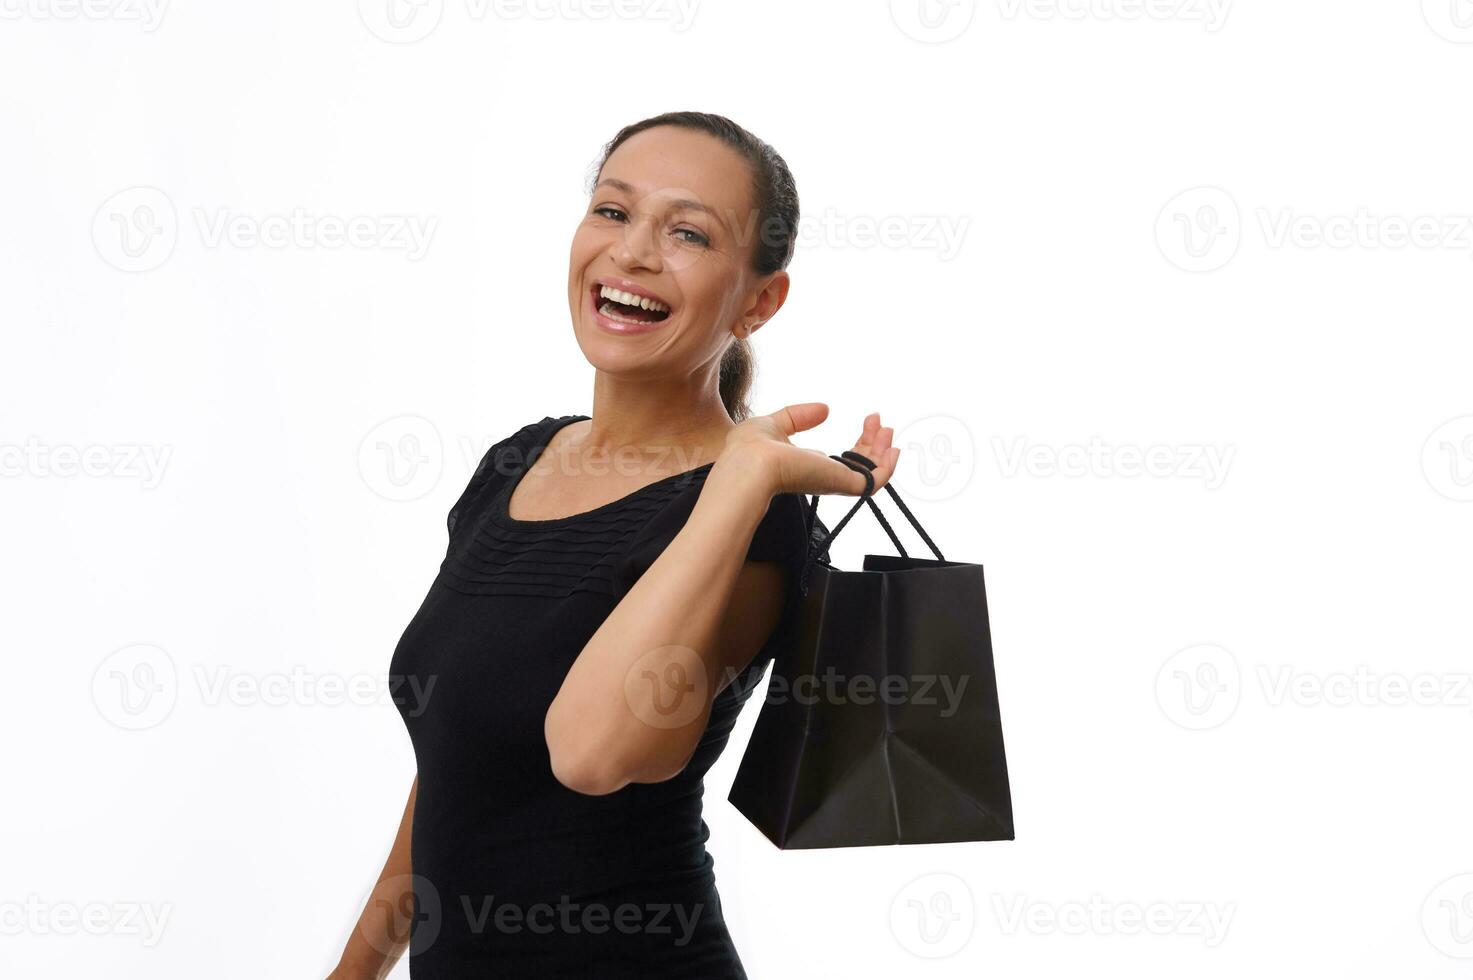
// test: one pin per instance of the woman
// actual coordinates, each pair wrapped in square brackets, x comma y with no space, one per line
[613,588]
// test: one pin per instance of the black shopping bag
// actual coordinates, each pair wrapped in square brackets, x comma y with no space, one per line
[881,721]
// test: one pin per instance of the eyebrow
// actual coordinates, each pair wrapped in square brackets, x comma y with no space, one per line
[685,203]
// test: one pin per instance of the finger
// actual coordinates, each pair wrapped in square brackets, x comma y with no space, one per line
[875,445]
[888,461]
[881,445]
[846,480]
[838,477]
[879,449]
[875,440]
[799,416]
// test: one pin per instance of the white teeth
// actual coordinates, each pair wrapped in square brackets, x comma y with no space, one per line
[629,299]
[608,310]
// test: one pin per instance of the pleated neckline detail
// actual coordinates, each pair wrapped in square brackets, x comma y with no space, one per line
[497,554]
[500,508]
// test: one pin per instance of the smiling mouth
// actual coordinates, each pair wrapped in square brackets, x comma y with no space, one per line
[619,305]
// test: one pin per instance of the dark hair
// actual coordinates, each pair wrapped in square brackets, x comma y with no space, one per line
[776,197]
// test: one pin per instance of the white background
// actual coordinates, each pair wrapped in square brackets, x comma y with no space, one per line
[1181,232]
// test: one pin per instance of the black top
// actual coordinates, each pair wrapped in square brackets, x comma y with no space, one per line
[515,874]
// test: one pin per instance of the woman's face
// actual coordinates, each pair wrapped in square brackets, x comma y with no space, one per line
[670,221]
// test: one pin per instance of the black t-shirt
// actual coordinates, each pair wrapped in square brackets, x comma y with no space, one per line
[515,874]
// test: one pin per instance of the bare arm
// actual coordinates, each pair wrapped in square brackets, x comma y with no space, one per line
[382,932]
[637,698]
[634,704]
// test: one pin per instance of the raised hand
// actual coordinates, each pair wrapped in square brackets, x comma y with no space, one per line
[763,441]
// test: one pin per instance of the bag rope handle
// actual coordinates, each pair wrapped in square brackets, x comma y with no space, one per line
[863,465]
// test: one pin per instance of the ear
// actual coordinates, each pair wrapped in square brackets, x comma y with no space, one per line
[771,294]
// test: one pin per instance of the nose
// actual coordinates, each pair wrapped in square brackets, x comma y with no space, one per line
[639,247]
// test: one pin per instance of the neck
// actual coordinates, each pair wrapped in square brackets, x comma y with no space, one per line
[684,418]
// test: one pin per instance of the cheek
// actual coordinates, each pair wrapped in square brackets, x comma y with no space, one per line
[718,309]
[580,249]
[588,241]
[705,321]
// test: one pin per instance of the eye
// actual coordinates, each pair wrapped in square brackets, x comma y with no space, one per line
[605,210]
[696,237]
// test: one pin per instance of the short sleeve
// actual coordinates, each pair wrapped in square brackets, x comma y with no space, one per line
[504,458]
[783,533]
[781,536]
